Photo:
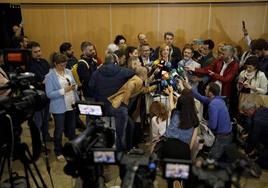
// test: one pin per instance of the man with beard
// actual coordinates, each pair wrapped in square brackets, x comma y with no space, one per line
[222,71]
[187,61]
[207,53]
[66,49]
[259,47]
[86,66]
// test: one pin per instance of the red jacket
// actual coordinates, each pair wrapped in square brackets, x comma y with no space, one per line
[229,74]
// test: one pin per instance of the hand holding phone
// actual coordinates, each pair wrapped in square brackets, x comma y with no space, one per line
[243,24]
[73,86]
[244,28]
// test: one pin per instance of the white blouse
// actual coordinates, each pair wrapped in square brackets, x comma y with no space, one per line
[259,81]
[69,96]
[158,128]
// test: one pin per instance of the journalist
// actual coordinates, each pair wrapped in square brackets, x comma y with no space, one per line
[106,81]
[219,119]
[40,67]
[61,90]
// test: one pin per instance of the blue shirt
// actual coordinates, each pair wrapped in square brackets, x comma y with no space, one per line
[173,130]
[219,119]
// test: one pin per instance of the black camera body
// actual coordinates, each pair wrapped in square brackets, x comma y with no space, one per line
[85,154]
[137,169]
[23,99]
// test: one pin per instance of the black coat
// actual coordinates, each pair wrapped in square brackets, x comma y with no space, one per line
[40,68]
[107,80]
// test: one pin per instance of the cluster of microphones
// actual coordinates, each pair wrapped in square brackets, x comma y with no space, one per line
[172,78]
[167,76]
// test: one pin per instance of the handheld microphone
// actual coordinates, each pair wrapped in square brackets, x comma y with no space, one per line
[165,75]
[181,72]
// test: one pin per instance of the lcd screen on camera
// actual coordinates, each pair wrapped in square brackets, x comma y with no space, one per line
[14,57]
[88,109]
[177,171]
[104,157]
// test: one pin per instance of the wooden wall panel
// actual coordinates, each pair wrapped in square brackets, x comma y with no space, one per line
[88,23]
[130,20]
[265,24]
[99,23]
[185,21]
[45,24]
[226,21]
[120,1]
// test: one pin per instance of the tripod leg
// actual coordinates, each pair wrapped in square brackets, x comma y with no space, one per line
[37,171]
[2,162]
[26,176]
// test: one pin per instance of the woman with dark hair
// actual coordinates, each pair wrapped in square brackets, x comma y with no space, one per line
[252,80]
[119,43]
[131,51]
[61,90]
[251,83]
[183,118]
[120,40]
[178,136]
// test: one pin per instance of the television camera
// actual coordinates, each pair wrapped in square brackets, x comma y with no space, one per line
[87,154]
[18,106]
[83,158]
[210,173]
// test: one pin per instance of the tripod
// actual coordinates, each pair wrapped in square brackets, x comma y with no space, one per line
[26,158]
[14,149]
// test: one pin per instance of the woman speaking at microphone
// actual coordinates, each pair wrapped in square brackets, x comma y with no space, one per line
[161,64]
[61,90]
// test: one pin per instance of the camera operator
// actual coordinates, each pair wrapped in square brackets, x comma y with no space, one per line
[40,68]
[61,90]
[3,77]
[106,81]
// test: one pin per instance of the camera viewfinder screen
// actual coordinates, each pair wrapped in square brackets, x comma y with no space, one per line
[14,57]
[86,109]
[177,171]
[104,157]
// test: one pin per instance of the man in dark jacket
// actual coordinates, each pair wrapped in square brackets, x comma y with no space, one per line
[106,81]
[87,67]
[66,49]
[175,52]
[40,68]
[260,48]
[207,53]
